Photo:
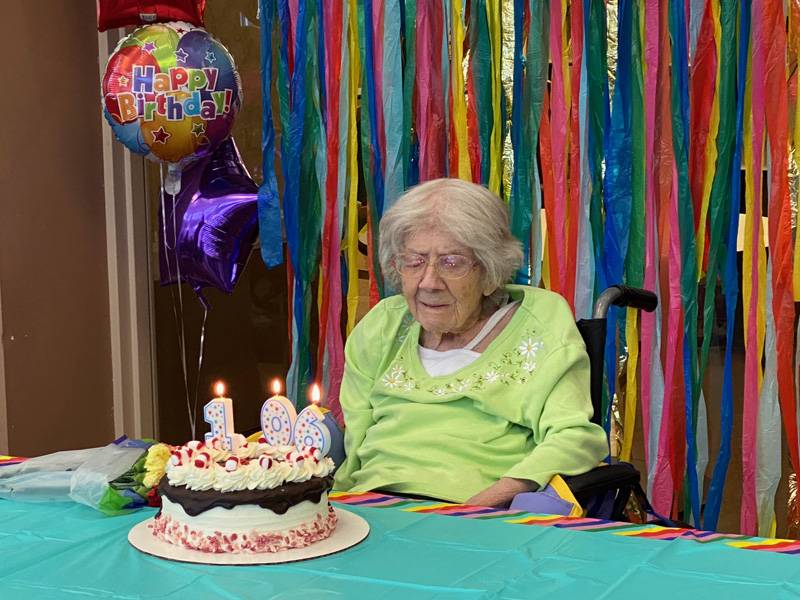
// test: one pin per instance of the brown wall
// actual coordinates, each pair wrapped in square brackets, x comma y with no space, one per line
[53,274]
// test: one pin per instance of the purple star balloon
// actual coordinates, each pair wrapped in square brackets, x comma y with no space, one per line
[207,230]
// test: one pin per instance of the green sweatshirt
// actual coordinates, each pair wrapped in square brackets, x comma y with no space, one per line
[521,410]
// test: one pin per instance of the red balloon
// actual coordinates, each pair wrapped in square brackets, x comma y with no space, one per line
[121,13]
[117,77]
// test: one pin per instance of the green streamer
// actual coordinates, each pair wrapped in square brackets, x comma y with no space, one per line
[597,108]
[310,209]
[481,59]
[409,74]
[634,262]
[718,205]
[524,214]
[719,200]
[367,149]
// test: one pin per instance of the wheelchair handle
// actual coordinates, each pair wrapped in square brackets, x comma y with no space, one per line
[623,295]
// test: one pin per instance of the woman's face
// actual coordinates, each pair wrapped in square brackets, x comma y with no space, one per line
[442,305]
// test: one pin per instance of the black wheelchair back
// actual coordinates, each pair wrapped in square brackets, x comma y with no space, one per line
[605,491]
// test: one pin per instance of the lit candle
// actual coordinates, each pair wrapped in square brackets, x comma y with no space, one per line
[316,427]
[310,429]
[278,417]
[219,414]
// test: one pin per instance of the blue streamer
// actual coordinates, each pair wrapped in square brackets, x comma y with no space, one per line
[292,143]
[413,164]
[601,283]
[617,185]
[393,103]
[444,60]
[323,91]
[680,61]
[377,171]
[730,282]
[269,210]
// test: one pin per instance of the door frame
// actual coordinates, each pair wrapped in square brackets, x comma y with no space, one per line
[130,278]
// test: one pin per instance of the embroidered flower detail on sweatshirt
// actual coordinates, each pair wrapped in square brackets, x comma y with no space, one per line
[512,368]
[491,376]
[528,348]
[396,378]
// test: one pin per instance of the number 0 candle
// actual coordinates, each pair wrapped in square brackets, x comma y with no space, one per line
[277,417]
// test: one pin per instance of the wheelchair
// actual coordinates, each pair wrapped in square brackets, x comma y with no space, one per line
[605,491]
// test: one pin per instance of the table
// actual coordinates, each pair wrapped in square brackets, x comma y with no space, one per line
[414,550]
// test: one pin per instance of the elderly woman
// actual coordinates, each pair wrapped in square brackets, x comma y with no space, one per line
[463,388]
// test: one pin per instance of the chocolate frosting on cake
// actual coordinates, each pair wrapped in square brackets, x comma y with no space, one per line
[278,499]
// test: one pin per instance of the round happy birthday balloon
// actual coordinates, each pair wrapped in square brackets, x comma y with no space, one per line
[171,92]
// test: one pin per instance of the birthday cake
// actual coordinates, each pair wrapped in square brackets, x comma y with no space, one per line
[255,498]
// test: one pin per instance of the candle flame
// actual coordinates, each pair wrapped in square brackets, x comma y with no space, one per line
[219,389]
[276,386]
[315,394]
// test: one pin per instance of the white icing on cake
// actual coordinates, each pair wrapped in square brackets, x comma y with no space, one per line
[244,527]
[256,529]
[248,518]
[252,466]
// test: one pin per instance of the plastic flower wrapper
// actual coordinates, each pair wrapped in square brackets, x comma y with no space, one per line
[137,486]
[109,478]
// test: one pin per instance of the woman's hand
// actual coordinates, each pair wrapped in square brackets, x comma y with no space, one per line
[501,494]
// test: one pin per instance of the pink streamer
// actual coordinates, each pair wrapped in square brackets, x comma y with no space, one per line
[674,337]
[430,108]
[293,10]
[752,362]
[558,121]
[662,482]
[332,279]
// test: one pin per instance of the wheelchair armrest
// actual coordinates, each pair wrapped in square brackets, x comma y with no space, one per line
[602,479]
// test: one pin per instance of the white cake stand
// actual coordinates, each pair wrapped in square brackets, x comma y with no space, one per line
[350,530]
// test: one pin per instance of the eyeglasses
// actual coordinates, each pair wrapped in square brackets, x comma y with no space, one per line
[447,266]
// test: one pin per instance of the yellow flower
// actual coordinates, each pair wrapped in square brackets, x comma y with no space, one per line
[154,464]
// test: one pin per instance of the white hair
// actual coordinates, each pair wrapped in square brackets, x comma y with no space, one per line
[468,212]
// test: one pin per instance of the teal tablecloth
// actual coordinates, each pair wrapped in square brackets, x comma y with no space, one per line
[71,551]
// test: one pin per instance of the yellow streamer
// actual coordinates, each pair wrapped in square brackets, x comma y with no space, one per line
[496,141]
[459,98]
[753,174]
[632,383]
[711,146]
[545,255]
[352,168]
[749,204]
[507,79]
[566,51]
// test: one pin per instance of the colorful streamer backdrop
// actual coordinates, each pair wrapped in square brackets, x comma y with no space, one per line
[648,138]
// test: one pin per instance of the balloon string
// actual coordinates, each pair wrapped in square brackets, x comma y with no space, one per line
[199,356]
[177,308]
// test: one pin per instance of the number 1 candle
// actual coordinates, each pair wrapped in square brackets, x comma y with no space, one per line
[219,414]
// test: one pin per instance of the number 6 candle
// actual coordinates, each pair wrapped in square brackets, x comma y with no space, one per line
[219,414]
[310,429]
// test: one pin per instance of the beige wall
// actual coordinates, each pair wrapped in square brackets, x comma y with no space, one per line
[53,277]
